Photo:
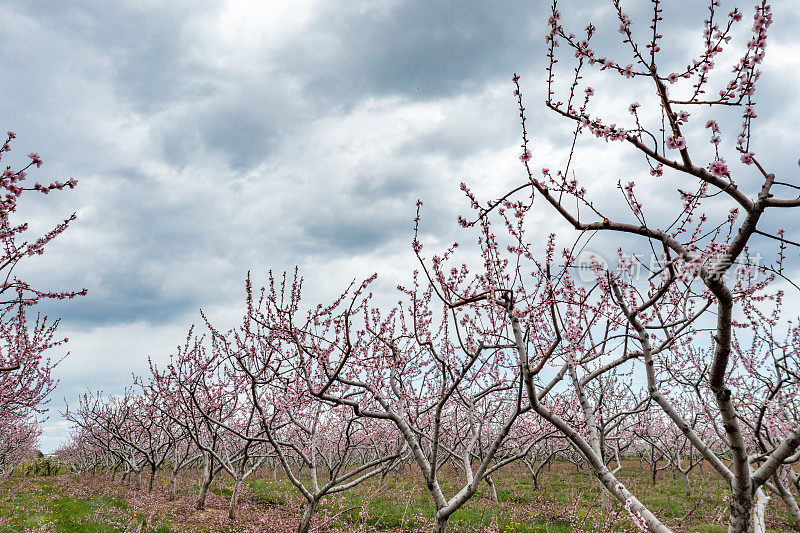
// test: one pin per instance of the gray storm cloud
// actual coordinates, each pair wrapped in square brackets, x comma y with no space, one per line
[213,138]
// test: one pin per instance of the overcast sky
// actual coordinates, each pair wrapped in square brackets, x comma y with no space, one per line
[210,138]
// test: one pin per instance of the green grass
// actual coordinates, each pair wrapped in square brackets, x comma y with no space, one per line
[41,504]
[401,503]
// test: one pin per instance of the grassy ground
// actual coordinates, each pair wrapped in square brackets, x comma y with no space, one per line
[65,503]
[566,500]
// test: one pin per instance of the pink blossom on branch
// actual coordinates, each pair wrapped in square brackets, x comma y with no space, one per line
[719,169]
[676,143]
[26,378]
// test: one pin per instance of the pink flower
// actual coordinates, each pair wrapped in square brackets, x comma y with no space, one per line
[683,116]
[657,171]
[589,91]
[526,156]
[12,135]
[747,158]
[36,159]
[627,71]
[633,107]
[625,23]
[719,169]
[676,143]
[672,78]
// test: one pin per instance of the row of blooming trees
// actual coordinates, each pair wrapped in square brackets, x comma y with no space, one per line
[300,393]
[518,358]
[25,337]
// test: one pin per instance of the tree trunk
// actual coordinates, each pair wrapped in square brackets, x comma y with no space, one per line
[590,417]
[440,525]
[687,489]
[201,500]
[534,474]
[740,506]
[760,514]
[492,486]
[207,477]
[653,464]
[173,489]
[305,523]
[234,499]
[152,478]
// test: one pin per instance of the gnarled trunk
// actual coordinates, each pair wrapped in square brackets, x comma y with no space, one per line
[234,499]
[208,475]
[440,525]
[173,482]
[687,489]
[305,523]
[760,513]
[490,482]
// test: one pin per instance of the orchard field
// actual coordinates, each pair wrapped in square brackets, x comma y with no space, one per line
[566,499]
[614,346]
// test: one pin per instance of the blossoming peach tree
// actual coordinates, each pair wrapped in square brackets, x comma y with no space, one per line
[25,373]
[678,329]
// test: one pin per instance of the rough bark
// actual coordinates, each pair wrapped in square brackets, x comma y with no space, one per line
[760,512]
[234,499]
[305,522]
